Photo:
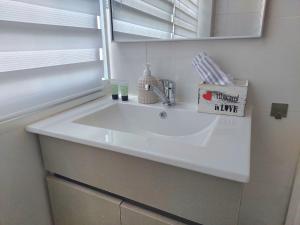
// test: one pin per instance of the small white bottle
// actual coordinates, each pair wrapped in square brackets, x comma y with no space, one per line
[144,96]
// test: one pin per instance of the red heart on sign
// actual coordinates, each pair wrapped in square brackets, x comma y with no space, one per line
[207,96]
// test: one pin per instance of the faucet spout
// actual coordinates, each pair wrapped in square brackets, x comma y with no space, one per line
[167,95]
[158,92]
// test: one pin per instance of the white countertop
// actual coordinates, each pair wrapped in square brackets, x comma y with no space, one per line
[222,149]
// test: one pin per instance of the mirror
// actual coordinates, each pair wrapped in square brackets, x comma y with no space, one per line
[142,20]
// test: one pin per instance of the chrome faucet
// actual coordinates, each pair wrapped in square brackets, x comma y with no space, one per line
[165,91]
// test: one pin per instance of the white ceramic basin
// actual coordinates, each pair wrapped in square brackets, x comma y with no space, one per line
[143,120]
[211,144]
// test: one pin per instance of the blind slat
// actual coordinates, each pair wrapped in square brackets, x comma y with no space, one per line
[130,28]
[146,8]
[12,61]
[185,25]
[195,2]
[186,10]
[29,13]
[181,6]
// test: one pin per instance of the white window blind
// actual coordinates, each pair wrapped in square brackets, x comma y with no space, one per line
[158,19]
[50,51]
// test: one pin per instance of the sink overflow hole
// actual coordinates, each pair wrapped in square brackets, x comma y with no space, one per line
[163,115]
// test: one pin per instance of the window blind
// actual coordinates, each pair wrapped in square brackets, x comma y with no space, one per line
[159,19]
[50,51]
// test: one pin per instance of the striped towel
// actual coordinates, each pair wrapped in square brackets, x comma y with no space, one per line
[209,71]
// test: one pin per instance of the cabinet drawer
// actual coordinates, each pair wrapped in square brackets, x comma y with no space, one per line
[134,215]
[76,205]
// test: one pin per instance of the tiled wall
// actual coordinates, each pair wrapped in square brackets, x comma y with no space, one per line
[237,18]
[272,65]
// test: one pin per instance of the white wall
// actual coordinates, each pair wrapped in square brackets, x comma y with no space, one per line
[272,64]
[23,194]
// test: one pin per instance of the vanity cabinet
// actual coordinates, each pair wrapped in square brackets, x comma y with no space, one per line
[194,196]
[133,215]
[72,204]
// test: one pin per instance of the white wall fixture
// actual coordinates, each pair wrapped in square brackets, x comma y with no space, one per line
[190,145]
[214,145]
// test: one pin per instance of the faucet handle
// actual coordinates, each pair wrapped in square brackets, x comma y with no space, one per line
[168,84]
[169,88]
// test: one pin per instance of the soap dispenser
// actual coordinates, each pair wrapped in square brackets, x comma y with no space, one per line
[144,96]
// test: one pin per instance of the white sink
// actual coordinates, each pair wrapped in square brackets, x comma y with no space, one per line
[139,119]
[212,144]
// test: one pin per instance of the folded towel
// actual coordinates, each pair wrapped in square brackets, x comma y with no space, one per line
[209,71]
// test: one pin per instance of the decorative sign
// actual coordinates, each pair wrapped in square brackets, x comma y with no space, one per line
[228,100]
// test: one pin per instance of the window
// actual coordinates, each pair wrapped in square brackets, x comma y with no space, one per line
[50,52]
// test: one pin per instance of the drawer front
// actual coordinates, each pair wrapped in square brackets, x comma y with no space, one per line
[194,196]
[133,215]
[72,204]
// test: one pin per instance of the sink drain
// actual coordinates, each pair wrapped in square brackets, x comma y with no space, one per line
[163,115]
